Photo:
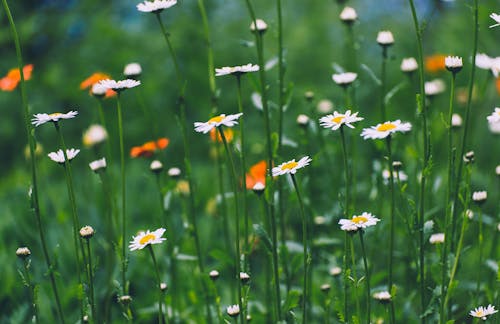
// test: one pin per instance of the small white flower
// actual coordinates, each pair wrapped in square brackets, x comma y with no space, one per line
[494,127]
[98,164]
[382,296]
[261,25]
[174,172]
[214,274]
[156,166]
[385,38]
[453,63]
[98,90]
[236,70]
[259,187]
[291,166]
[257,100]
[495,116]
[469,213]
[335,271]
[59,155]
[156,5]
[94,135]
[344,79]
[302,120]
[348,15]
[233,310]
[483,312]
[132,70]
[495,66]
[479,196]
[119,85]
[483,61]
[434,87]
[386,175]
[356,222]
[324,106]
[456,120]
[409,64]
[336,120]
[497,170]
[385,129]
[496,18]
[244,277]
[23,252]
[437,238]
[143,239]
[40,119]
[229,121]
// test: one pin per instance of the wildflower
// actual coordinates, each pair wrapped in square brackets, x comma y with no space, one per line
[244,277]
[143,239]
[495,66]
[119,86]
[435,63]
[483,61]
[495,116]
[98,165]
[401,175]
[409,65]
[233,310]
[256,175]
[59,155]
[259,188]
[132,70]
[479,197]
[96,89]
[149,148]
[125,299]
[291,166]
[214,275]
[261,26]
[229,121]
[309,95]
[174,172]
[156,166]
[13,77]
[324,106]
[469,157]
[482,312]
[302,120]
[335,271]
[236,70]
[94,135]
[344,79]
[456,120]
[385,38]
[155,6]
[336,120]
[494,127]
[325,288]
[453,63]
[215,135]
[385,129]
[497,170]
[496,18]
[320,220]
[397,165]
[434,87]
[163,286]
[86,232]
[23,252]
[348,15]
[362,221]
[469,213]
[182,187]
[40,119]
[383,296]
[437,238]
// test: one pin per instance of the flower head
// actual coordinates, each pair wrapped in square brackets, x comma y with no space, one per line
[495,116]
[479,197]
[256,176]
[435,63]
[132,70]
[382,296]
[96,89]
[344,79]
[143,239]
[483,312]
[348,15]
[302,120]
[385,38]
[233,310]
[496,18]
[40,119]
[324,106]
[156,166]
[13,77]
[434,87]
[98,165]
[174,172]
[87,232]
[437,238]
[409,65]
[149,148]
[214,274]
[229,121]
[358,222]
[385,129]
[23,252]
[258,25]
[456,120]
[156,5]
[336,120]
[236,70]
[94,135]
[483,61]
[453,63]
[119,85]
[291,166]
[59,155]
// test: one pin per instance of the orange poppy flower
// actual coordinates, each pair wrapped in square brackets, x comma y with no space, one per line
[93,79]
[149,148]
[435,63]
[13,77]
[256,174]
[215,135]
[498,85]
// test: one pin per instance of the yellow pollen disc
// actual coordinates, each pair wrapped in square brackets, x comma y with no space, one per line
[216,119]
[498,113]
[289,165]
[55,114]
[147,238]
[386,127]
[338,119]
[359,219]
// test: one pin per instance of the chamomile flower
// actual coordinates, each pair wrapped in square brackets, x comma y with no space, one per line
[409,65]
[143,239]
[437,238]
[94,135]
[483,312]
[348,15]
[233,310]
[385,129]
[98,165]
[59,155]
[236,70]
[495,116]
[453,63]
[119,85]
[132,70]
[336,120]
[344,79]
[156,5]
[358,222]
[496,18]
[229,121]
[434,87]
[40,119]
[385,38]
[382,296]
[259,25]
[483,61]
[291,166]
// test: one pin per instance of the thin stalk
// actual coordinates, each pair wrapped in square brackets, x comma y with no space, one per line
[281,74]
[367,276]
[382,83]
[305,243]
[346,173]
[31,287]
[480,240]
[161,319]
[347,273]
[392,228]
[355,278]
[91,281]
[237,222]
[210,54]
[35,206]
[166,34]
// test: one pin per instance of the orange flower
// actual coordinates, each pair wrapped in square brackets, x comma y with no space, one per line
[256,174]
[498,85]
[93,79]
[149,148]
[228,133]
[13,77]
[435,63]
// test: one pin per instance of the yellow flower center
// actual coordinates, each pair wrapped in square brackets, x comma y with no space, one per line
[216,119]
[289,166]
[480,313]
[57,114]
[386,127]
[338,119]
[359,219]
[147,238]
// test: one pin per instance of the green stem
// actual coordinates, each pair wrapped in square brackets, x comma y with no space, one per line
[346,173]
[305,243]
[347,273]
[31,288]
[367,276]
[392,213]
[172,52]
[210,54]
[281,74]
[480,241]
[91,280]
[161,319]
[35,206]
[382,83]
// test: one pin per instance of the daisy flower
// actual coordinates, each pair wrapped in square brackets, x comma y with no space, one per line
[483,312]
[483,61]
[437,238]
[382,296]
[409,65]
[385,129]
[59,155]
[291,166]
[495,116]
[385,38]
[236,70]
[132,70]
[156,5]
[336,120]
[98,164]
[143,239]
[453,63]
[344,79]
[363,221]
[348,15]
[233,310]
[229,121]
[119,85]
[40,119]
[434,87]
[261,25]
[94,135]
[496,18]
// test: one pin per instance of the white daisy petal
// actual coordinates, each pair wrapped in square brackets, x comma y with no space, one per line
[336,120]
[358,222]
[236,70]
[40,119]
[385,129]
[156,5]
[205,127]
[291,166]
[119,85]
[59,155]
[144,239]
[494,117]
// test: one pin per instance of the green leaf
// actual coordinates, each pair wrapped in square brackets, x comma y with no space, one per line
[292,300]
[222,256]
[371,74]
[264,237]
[392,92]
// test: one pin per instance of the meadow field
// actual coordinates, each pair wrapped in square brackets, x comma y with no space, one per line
[223,161]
